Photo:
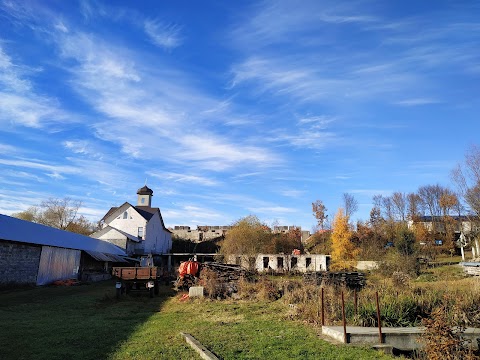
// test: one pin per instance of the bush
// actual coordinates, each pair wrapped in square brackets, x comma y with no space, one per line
[443,339]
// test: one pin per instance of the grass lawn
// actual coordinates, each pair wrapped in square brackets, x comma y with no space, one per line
[87,322]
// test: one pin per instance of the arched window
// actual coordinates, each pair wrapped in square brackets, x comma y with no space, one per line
[125,215]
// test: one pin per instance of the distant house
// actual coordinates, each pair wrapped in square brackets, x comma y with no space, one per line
[465,224]
[31,253]
[138,230]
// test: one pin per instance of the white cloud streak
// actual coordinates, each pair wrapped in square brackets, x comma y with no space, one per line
[163,35]
[184,178]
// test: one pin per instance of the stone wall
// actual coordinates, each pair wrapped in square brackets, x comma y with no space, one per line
[18,263]
[367,265]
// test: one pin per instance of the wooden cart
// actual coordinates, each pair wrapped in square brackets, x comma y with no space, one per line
[136,278]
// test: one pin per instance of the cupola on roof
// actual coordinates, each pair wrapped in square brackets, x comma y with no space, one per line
[145,191]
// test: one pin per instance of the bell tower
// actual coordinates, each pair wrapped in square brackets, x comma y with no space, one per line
[145,196]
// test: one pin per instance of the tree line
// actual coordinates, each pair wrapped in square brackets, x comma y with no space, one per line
[425,222]
[61,214]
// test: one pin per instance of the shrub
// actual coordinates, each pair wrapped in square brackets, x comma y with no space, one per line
[443,340]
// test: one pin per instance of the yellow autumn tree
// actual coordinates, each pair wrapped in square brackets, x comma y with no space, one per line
[344,252]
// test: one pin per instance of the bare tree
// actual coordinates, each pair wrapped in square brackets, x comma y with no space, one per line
[414,206]
[350,204]
[467,178]
[430,196]
[319,211]
[59,213]
[399,202]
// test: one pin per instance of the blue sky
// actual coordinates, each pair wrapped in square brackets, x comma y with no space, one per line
[230,108]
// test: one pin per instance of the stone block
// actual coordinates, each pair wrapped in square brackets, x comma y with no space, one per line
[195,291]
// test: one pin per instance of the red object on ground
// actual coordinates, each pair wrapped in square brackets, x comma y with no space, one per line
[296,252]
[188,267]
[184,297]
[69,282]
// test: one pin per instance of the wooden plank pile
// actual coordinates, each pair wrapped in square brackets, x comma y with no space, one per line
[352,280]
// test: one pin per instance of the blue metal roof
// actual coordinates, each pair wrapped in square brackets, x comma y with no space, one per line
[13,229]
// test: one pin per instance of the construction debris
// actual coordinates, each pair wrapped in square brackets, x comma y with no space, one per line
[352,280]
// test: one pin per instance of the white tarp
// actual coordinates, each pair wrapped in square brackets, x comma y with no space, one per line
[57,264]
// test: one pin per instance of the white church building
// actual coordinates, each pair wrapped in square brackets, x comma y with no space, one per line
[139,230]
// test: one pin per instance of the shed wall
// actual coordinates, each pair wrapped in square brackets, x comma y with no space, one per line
[58,264]
[18,263]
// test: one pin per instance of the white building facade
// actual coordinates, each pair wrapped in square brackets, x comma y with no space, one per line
[139,230]
[281,263]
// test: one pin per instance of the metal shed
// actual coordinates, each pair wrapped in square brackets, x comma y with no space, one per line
[34,253]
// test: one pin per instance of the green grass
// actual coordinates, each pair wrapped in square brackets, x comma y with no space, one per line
[441,273]
[87,322]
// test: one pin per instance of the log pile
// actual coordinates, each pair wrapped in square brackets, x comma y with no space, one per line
[185,282]
[221,280]
[352,280]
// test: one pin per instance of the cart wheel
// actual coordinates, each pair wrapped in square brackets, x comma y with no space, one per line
[118,293]
[151,291]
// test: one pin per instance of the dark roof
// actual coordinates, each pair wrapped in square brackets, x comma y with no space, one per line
[13,229]
[145,191]
[146,211]
[109,212]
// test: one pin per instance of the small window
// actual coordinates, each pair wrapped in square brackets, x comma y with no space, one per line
[308,262]
[142,201]
[140,232]
[266,260]
[125,215]
[294,262]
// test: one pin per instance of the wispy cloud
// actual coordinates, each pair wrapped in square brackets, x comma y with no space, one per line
[184,178]
[105,74]
[416,102]
[275,210]
[192,214]
[19,103]
[84,147]
[274,22]
[293,193]
[166,36]
[39,165]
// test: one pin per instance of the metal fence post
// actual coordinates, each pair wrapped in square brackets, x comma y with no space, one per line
[344,320]
[379,319]
[323,309]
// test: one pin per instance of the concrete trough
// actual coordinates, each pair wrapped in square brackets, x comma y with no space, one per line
[405,339]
